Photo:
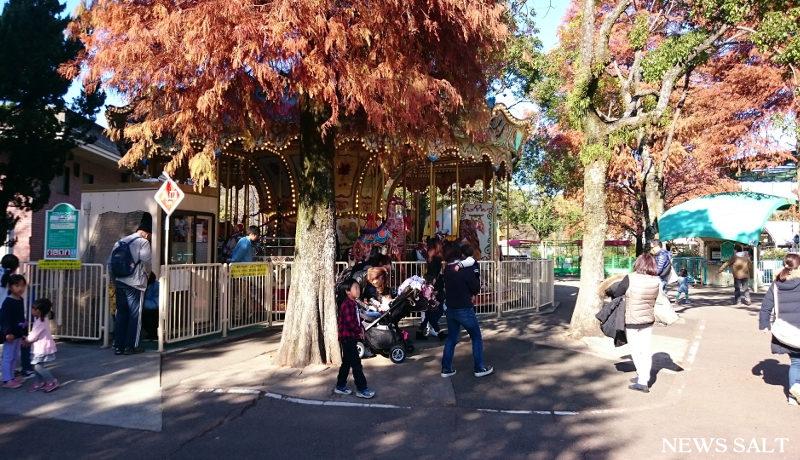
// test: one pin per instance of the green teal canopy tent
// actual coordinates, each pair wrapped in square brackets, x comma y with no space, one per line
[737,216]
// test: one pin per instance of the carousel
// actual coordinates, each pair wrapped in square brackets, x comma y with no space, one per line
[382,202]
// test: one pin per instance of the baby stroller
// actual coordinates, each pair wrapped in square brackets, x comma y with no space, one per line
[383,335]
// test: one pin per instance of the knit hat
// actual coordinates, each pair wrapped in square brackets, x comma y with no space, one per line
[147,223]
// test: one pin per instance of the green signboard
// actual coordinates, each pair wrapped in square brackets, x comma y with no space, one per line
[61,233]
[726,250]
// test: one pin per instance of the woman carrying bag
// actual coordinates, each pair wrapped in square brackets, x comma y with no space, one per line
[784,298]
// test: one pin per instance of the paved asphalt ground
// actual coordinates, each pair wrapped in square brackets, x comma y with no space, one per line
[715,383]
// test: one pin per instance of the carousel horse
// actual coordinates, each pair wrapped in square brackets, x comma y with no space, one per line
[390,233]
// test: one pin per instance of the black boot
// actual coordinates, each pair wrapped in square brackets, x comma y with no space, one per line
[421,335]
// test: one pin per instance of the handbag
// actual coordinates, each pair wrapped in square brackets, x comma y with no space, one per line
[663,310]
[784,332]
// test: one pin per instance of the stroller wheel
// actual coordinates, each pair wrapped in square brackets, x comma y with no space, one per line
[360,348]
[410,348]
[397,354]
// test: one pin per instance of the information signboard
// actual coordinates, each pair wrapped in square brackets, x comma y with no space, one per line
[61,233]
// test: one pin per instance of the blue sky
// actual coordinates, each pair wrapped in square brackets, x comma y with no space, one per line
[548,17]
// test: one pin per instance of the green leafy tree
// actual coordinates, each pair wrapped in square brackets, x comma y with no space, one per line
[613,88]
[37,129]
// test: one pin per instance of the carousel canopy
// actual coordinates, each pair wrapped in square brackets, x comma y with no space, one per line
[738,216]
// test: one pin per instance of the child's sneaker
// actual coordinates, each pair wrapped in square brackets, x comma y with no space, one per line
[50,386]
[27,374]
[36,387]
[11,384]
[342,390]
[366,393]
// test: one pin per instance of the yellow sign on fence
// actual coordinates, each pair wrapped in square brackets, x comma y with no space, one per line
[59,264]
[244,271]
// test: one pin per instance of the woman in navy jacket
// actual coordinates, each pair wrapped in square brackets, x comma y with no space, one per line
[460,286]
[787,288]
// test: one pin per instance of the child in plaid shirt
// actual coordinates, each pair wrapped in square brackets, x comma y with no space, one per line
[350,332]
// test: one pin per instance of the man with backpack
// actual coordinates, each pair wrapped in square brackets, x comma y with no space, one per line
[663,262]
[129,265]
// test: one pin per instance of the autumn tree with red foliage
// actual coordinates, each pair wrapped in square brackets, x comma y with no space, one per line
[201,71]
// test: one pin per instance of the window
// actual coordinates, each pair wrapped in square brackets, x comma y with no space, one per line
[76,169]
[62,182]
[87,178]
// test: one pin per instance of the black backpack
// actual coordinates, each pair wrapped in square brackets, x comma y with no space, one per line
[120,262]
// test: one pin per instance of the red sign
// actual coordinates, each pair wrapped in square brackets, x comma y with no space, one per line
[169,196]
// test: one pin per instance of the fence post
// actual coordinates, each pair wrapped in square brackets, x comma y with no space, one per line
[104,304]
[224,301]
[498,277]
[536,281]
[163,306]
[270,300]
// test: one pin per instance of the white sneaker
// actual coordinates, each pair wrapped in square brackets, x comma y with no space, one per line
[795,391]
[432,333]
[793,402]
[485,371]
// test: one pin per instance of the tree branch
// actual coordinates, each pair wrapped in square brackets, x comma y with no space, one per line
[671,133]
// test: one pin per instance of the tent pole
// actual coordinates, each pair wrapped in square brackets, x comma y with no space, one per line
[755,268]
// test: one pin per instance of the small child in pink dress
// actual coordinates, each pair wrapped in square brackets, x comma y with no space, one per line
[43,347]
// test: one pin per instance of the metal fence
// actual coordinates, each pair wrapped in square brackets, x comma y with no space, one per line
[205,299]
[80,299]
[191,301]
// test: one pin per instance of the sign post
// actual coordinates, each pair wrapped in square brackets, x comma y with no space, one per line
[168,196]
[61,234]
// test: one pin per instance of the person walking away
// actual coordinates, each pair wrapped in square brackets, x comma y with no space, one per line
[150,308]
[460,286]
[12,325]
[640,289]
[243,252]
[785,293]
[9,265]
[44,347]
[350,332]
[740,268]
[683,285]
[129,264]
[663,259]
[434,269]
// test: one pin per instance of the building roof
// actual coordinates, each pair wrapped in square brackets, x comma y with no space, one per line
[737,216]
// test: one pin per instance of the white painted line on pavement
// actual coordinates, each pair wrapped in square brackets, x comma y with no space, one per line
[695,345]
[529,412]
[291,399]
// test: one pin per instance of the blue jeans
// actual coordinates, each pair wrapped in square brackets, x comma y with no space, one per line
[128,318]
[794,369]
[10,352]
[455,319]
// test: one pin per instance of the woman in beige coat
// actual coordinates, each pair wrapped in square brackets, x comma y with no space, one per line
[640,289]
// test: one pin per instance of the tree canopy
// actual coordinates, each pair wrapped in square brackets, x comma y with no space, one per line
[204,70]
[37,127]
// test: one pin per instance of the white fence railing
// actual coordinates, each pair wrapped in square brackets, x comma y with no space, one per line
[80,299]
[206,299]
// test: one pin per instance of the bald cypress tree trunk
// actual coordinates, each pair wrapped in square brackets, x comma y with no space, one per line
[310,329]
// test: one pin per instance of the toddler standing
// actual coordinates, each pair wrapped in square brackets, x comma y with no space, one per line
[683,285]
[43,347]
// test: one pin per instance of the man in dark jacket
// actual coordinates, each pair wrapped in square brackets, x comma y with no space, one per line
[460,287]
[663,262]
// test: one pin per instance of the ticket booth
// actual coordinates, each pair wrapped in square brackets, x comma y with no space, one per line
[112,211]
